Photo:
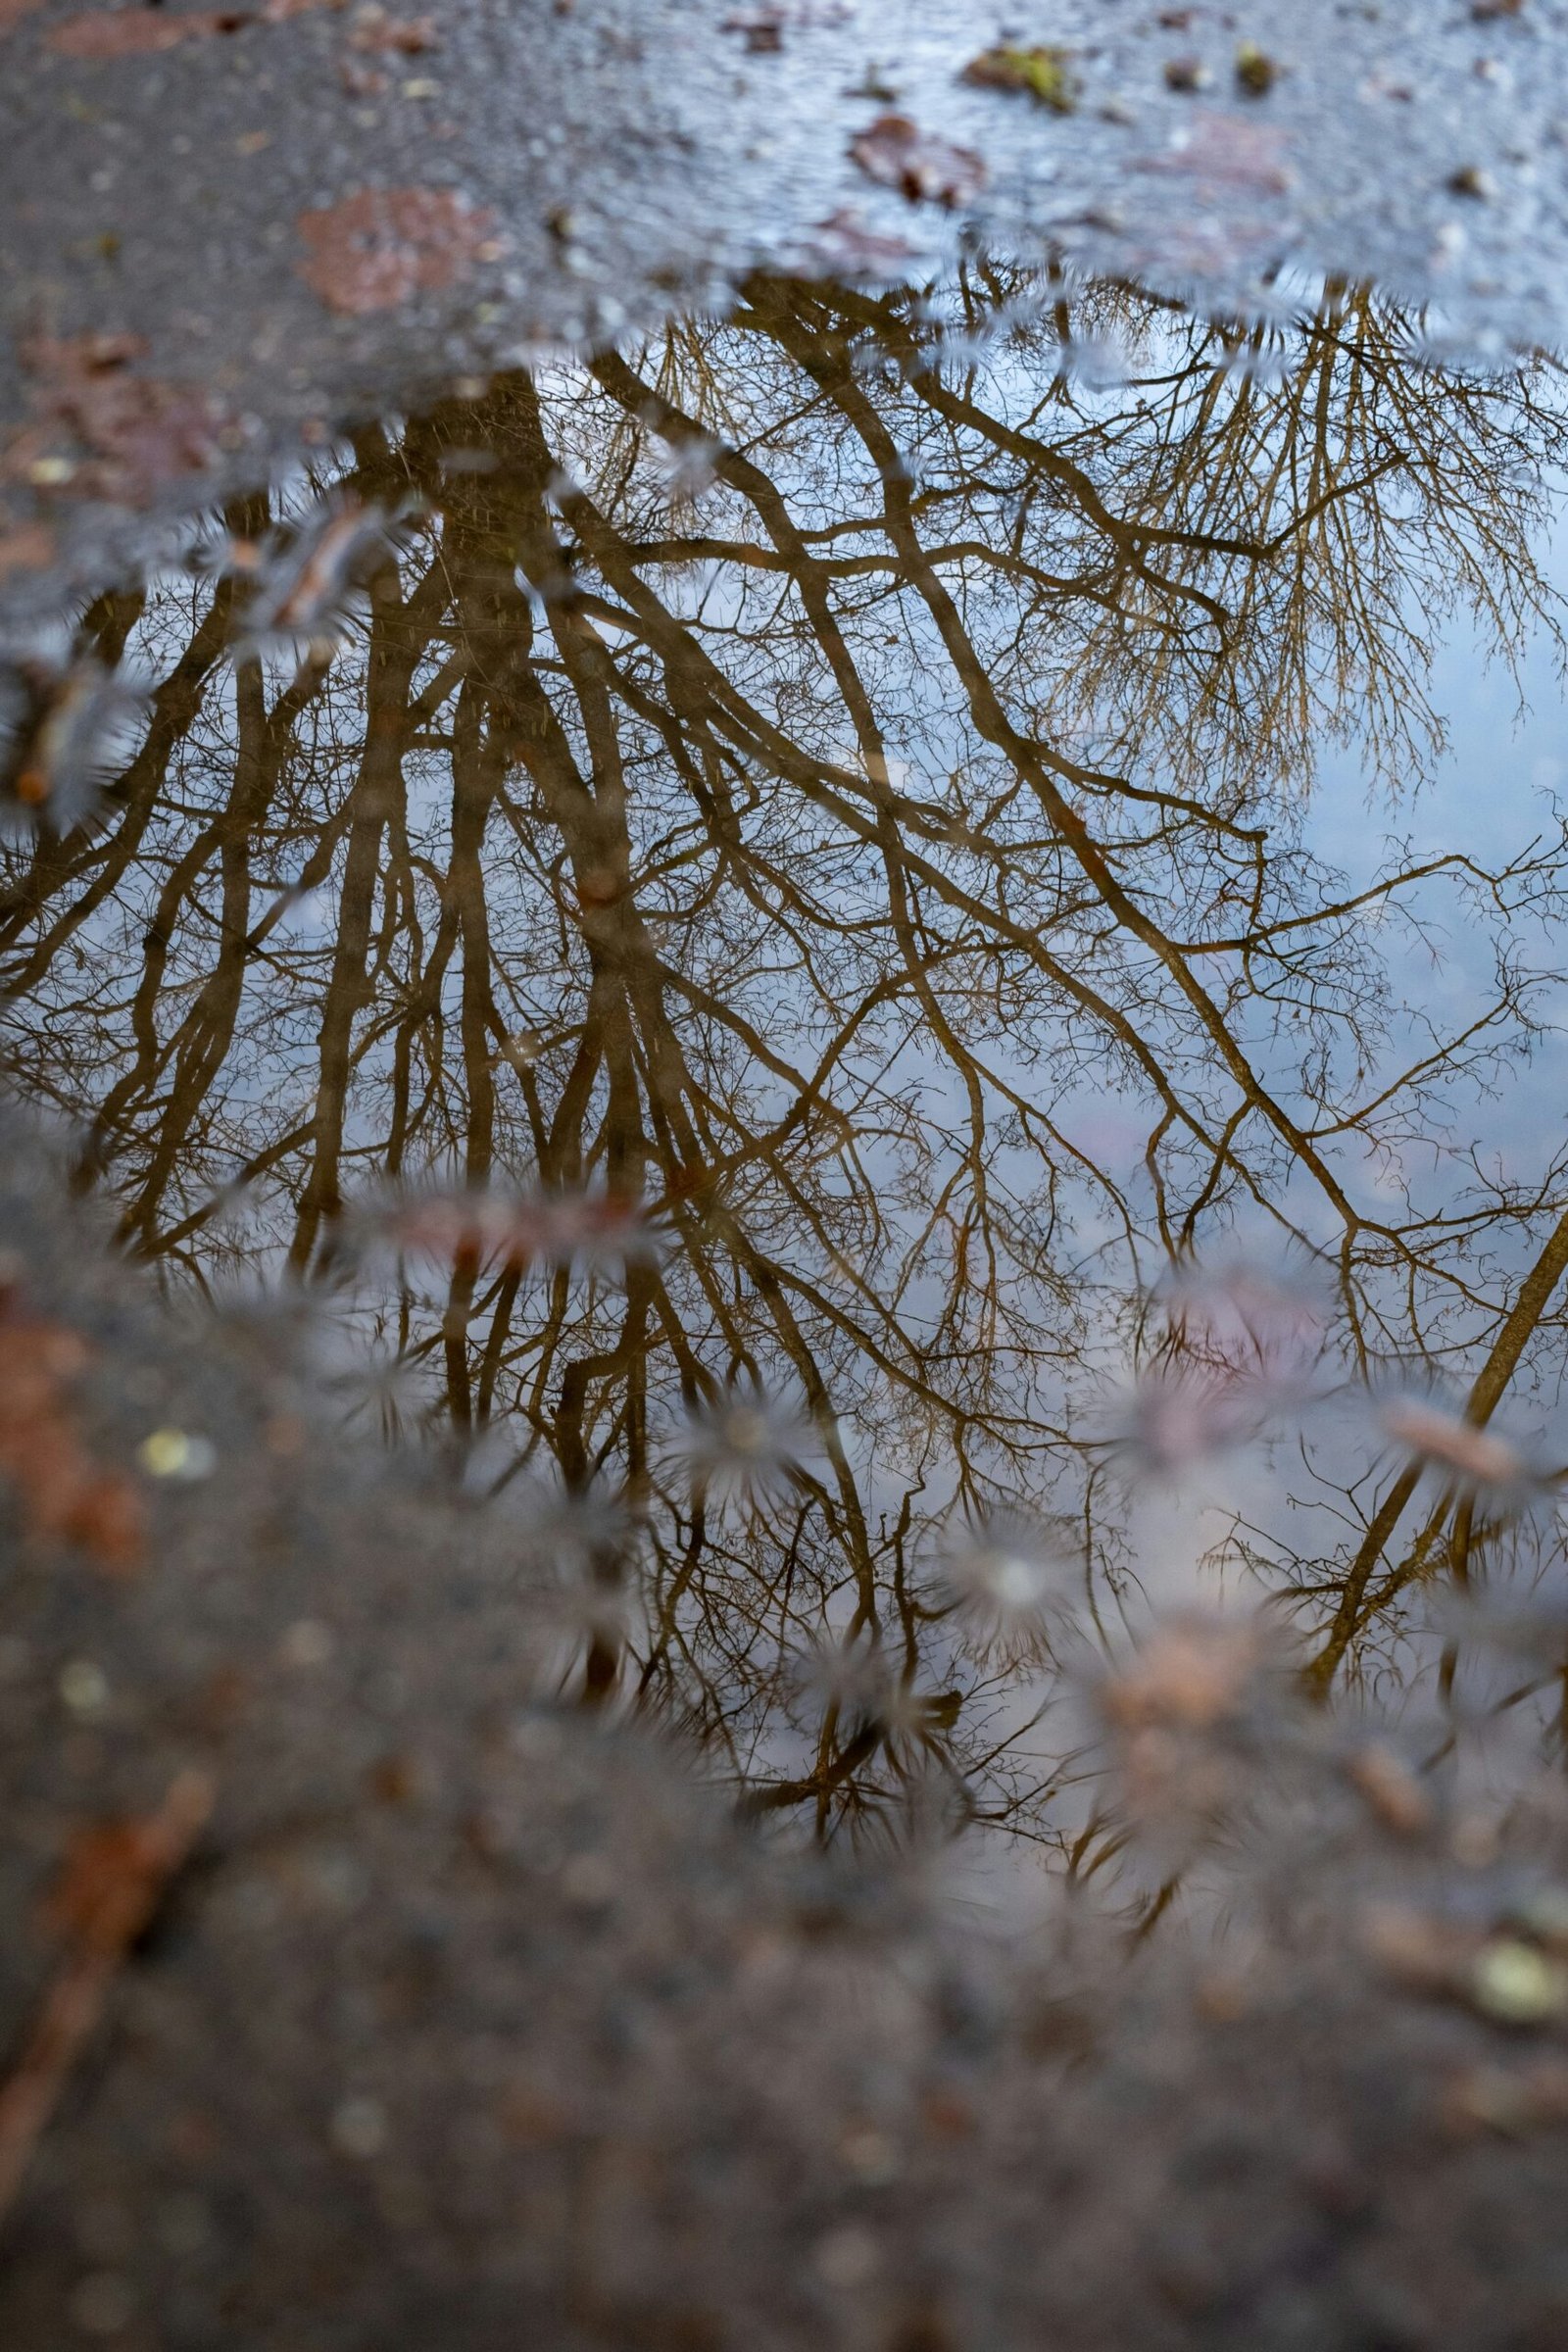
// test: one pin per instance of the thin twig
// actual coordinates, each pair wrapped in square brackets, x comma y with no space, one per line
[108,1899]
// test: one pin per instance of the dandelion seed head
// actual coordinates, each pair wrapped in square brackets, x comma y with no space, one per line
[1247,1319]
[1267,365]
[744,1442]
[63,734]
[868,1686]
[1478,1460]
[574,1531]
[1004,1579]
[1097,363]
[685,468]
[1178,1415]
[309,575]
[593,1232]
[380,1383]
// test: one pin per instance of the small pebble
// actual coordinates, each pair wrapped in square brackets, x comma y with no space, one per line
[360,2128]
[307,1642]
[1518,1984]
[84,1686]
[176,1453]
[103,2304]
[1255,70]
[846,2258]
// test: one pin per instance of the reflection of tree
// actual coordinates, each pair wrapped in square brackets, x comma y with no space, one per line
[798,777]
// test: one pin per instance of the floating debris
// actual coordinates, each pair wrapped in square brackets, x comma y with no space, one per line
[1043,73]
[1222,148]
[1518,1984]
[375,249]
[742,1443]
[1476,1459]
[1391,1790]
[311,572]
[62,735]
[1002,1579]
[177,1455]
[897,154]
[1188,1675]
[1255,70]
[595,1231]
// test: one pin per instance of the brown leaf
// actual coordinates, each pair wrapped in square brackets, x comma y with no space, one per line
[1042,73]
[147,32]
[66,1496]
[114,1871]
[29,548]
[374,250]
[843,246]
[138,31]
[895,152]
[139,431]
[1225,150]
[407,36]
[113,1879]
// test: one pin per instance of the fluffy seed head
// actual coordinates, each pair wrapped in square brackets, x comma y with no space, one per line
[1002,1579]
[1474,1455]
[742,1443]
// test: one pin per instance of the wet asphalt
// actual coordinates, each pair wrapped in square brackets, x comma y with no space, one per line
[228,234]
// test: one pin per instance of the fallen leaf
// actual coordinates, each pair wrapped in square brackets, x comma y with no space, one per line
[843,246]
[63,1492]
[139,431]
[1043,73]
[29,548]
[895,152]
[762,29]
[1225,150]
[114,1879]
[374,250]
[146,31]
[138,31]
[406,37]
[765,27]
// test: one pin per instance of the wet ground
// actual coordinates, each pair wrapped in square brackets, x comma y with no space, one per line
[296,212]
[782,852]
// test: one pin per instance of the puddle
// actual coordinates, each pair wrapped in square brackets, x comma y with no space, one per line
[883,823]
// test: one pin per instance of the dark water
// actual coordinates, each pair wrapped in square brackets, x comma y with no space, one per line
[953,803]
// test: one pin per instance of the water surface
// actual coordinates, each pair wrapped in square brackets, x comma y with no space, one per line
[955,802]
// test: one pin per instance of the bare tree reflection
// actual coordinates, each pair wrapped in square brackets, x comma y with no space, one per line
[839,778]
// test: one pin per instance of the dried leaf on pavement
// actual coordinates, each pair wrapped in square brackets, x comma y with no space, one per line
[897,154]
[374,250]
